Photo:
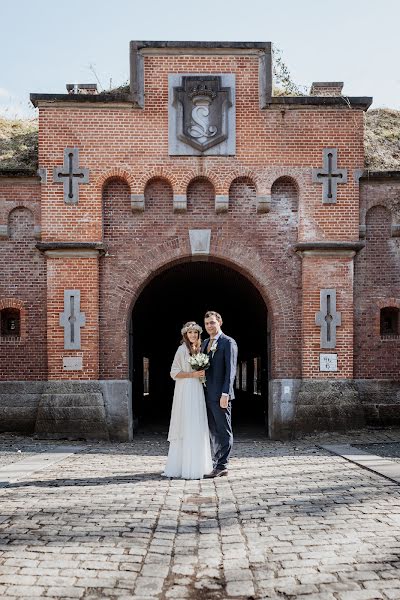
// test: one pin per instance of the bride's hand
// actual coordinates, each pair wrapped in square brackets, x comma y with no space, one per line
[198,374]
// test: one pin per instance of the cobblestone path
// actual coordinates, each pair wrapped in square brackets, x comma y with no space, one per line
[290,521]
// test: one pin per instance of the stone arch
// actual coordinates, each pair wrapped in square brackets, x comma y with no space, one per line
[204,177]
[184,179]
[21,223]
[217,182]
[115,173]
[287,180]
[285,320]
[241,173]
[388,302]
[155,173]
[296,176]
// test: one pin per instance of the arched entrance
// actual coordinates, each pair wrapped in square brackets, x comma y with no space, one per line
[183,292]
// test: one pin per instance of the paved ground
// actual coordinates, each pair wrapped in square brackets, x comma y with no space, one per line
[290,521]
[387,450]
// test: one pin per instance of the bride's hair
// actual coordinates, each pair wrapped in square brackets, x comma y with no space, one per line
[191,326]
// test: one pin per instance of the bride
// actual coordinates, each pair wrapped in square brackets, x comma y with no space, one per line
[189,453]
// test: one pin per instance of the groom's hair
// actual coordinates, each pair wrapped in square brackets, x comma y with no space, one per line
[212,313]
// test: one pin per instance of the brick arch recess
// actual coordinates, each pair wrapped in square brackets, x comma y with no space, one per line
[23,285]
[117,305]
[376,285]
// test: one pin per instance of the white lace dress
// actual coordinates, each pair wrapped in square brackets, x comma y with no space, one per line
[189,455]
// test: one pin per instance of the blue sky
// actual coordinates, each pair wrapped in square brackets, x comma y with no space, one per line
[45,44]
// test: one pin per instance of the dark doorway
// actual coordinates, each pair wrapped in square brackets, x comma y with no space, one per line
[185,292]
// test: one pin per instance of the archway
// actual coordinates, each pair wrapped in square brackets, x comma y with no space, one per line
[183,292]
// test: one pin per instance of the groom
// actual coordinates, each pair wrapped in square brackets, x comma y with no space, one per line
[222,351]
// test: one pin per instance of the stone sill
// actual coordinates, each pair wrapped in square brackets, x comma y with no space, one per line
[368,175]
[7,174]
[361,102]
[102,98]
[11,339]
[390,338]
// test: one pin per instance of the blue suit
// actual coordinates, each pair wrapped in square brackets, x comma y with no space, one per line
[220,378]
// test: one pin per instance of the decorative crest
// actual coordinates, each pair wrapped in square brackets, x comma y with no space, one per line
[203,114]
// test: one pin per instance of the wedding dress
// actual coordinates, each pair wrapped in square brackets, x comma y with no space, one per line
[189,455]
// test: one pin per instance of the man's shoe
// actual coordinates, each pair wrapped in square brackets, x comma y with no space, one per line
[210,475]
[221,472]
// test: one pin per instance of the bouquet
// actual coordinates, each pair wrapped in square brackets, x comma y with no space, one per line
[198,362]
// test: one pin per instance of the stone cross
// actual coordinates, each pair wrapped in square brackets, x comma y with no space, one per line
[70,175]
[328,318]
[72,320]
[329,176]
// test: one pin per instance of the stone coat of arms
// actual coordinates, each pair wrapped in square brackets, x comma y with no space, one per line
[202,106]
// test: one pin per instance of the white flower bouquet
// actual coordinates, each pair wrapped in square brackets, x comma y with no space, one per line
[199,362]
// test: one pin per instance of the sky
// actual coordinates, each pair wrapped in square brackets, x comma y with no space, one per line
[45,44]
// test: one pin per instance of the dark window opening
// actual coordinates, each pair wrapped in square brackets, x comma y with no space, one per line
[389,321]
[10,322]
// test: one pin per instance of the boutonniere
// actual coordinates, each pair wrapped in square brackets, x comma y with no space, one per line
[214,347]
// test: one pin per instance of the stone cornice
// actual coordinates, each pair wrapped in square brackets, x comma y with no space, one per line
[327,248]
[126,100]
[8,175]
[357,102]
[123,99]
[72,249]
[368,175]
[170,45]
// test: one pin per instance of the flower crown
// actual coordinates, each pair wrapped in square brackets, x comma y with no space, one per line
[191,327]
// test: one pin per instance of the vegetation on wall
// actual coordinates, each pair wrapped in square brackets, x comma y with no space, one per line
[382,139]
[19,144]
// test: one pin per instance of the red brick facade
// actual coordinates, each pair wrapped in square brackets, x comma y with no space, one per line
[22,281]
[377,281]
[126,151]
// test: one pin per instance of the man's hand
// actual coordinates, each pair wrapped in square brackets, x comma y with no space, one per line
[224,401]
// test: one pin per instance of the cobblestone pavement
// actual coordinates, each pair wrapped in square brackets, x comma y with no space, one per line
[290,521]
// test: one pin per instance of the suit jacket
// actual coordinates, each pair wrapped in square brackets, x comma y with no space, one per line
[222,370]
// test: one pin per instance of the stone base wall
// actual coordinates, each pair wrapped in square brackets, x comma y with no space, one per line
[68,409]
[103,409]
[303,406]
[328,405]
[380,399]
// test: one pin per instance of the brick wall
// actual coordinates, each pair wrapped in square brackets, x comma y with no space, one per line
[135,243]
[73,273]
[270,143]
[377,282]
[22,283]
[320,272]
[126,152]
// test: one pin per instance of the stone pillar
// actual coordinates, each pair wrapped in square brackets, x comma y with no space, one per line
[72,267]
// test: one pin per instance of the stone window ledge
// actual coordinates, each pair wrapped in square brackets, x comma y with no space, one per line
[11,339]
